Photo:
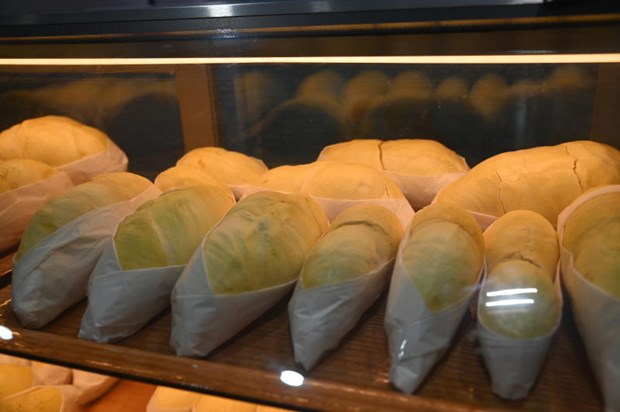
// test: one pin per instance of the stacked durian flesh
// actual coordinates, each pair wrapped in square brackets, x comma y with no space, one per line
[221,231]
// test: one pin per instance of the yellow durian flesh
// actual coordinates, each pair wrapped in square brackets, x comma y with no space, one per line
[102,190]
[422,157]
[530,313]
[598,258]
[543,179]
[360,239]
[285,178]
[54,140]
[181,177]
[15,173]
[165,231]
[14,379]
[39,399]
[339,180]
[443,254]
[523,235]
[360,151]
[262,241]
[230,167]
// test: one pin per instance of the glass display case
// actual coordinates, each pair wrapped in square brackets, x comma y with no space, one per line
[280,80]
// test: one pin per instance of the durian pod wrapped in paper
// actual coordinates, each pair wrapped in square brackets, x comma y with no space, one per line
[520,303]
[589,235]
[337,186]
[243,266]
[79,150]
[56,398]
[236,170]
[91,386]
[166,399]
[25,186]
[419,167]
[437,268]
[140,265]
[342,276]
[64,240]
[543,179]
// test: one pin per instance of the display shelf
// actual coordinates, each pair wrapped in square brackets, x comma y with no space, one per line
[354,377]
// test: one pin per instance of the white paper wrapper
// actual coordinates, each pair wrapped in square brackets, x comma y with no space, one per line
[332,207]
[514,364]
[91,386]
[68,392]
[18,206]
[121,302]
[49,278]
[201,321]
[596,312]
[320,317]
[113,159]
[417,337]
[172,400]
[48,374]
[421,190]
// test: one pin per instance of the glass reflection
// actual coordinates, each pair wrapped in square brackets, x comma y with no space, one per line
[5,333]
[292,378]
[510,302]
[510,292]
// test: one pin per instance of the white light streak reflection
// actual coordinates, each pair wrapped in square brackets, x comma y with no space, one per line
[5,333]
[510,292]
[510,302]
[292,378]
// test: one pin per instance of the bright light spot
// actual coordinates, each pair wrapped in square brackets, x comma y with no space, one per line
[509,292]
[510,302]
[292,378]
[5,333]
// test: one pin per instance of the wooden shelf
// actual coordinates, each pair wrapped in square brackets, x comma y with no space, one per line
[354,377]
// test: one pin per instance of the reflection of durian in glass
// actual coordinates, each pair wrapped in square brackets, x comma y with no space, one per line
[592,235]
[567,78]
[256,92]
[96,100]
[452,89]
[488,95]
[412,84]
[324,84]
[361,90]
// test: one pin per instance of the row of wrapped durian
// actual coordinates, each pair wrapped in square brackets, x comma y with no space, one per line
[31,386]
[241,253]
[41,158]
